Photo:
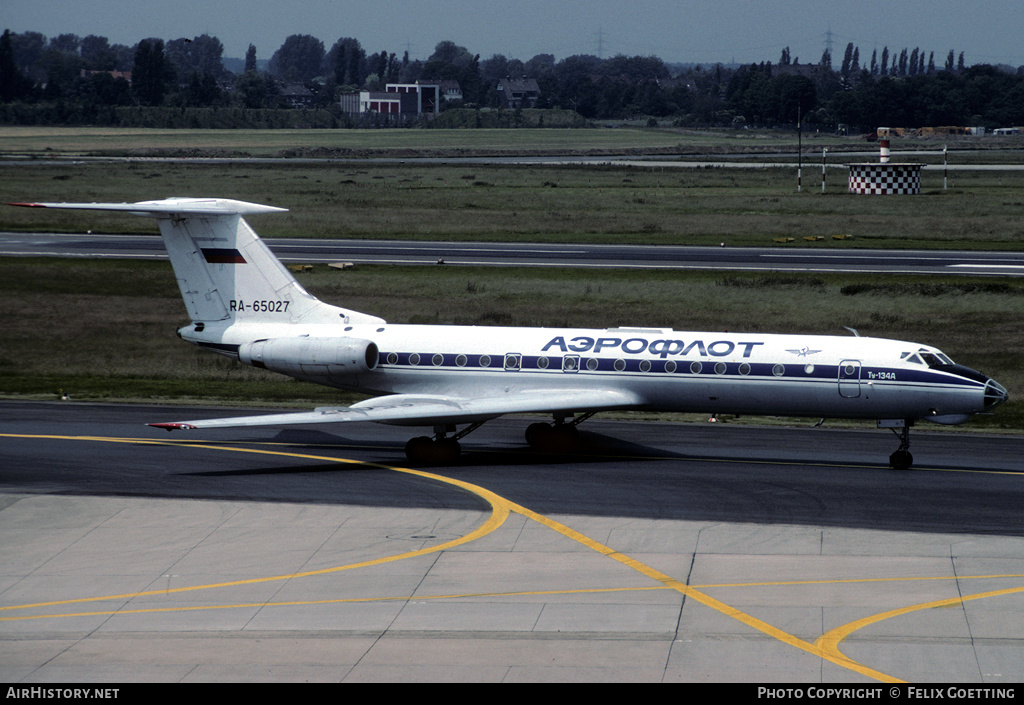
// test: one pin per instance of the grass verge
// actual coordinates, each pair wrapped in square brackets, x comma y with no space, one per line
[530,203]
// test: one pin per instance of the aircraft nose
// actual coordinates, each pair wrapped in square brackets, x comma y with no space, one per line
[995,394]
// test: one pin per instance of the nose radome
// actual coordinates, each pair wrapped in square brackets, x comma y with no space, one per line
[995,394]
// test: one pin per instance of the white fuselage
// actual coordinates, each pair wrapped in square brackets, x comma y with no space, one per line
[707,372]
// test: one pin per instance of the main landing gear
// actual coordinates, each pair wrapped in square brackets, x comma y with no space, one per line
[442,449]
[559,437]
[902,459]
[562,436]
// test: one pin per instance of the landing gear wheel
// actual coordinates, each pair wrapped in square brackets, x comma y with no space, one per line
[535,431]
[901,460]
[418,448]
[447,451]
[553,438]
[424,450]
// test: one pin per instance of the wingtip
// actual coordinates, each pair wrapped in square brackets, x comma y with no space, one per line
[28,205]
[172,426]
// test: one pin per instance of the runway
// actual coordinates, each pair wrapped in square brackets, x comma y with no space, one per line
[666,552]
[411,252]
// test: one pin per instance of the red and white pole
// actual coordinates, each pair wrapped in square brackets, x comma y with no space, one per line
[824,151]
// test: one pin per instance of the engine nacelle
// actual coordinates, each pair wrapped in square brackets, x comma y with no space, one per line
[309,357]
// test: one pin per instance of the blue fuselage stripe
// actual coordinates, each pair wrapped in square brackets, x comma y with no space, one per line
[707,368]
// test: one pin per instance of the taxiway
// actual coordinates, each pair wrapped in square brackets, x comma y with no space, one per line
[410,252]
[666,552]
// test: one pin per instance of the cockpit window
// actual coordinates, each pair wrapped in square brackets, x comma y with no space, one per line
[936,359]
[911,357]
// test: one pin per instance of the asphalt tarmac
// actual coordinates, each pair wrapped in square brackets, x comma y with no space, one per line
[583,255]
[663,552]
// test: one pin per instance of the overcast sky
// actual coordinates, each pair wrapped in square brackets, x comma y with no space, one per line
[987,31]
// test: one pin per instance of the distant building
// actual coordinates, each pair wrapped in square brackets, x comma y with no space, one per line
[399,101]
[378,102]
[518,93]
[297,96]
[951,130]
[896,132]
[451,91]
[883,132]
[428,95]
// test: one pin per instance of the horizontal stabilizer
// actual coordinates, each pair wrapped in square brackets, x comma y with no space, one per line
[170,207]
[428,410]
[225,272]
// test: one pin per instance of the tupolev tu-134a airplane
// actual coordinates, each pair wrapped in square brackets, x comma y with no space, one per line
[246,305]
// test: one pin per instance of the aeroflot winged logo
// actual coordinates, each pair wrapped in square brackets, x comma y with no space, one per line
[804,352]
[661,347]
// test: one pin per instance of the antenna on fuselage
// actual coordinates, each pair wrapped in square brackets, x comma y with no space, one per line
[852,330]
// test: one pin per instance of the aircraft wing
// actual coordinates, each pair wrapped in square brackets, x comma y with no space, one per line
[429,410]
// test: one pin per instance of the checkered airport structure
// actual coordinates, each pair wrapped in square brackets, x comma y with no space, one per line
[890,178]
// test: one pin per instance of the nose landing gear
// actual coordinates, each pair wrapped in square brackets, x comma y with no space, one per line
[901,459]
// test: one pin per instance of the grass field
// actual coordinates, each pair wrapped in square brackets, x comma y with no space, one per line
[699,206]
[43,142]
[49,141]
[105,330]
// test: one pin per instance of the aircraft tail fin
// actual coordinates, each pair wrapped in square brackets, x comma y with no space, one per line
[224,270]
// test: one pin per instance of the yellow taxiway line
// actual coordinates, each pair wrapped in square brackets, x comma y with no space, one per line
[825,647]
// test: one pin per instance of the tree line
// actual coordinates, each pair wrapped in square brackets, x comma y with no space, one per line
[85,80]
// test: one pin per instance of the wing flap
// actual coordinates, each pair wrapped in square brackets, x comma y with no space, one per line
[429,410]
